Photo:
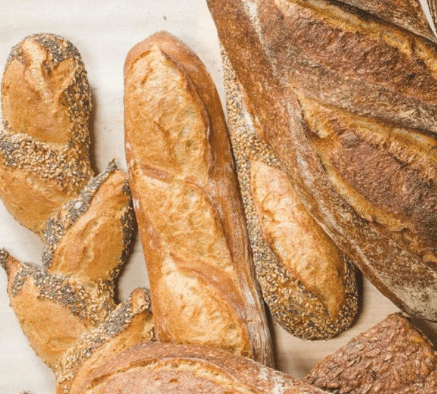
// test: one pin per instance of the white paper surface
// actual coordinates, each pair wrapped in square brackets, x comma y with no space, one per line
[104,31]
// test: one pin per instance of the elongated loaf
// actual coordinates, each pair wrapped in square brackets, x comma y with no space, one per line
[44,138]
[348,102]
[307,282]
[392,357]
[187,203]
[186,369]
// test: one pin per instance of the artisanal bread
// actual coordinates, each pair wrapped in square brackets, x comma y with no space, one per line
[154,367]
[187,203]
[307,282]
[348,103]
[44,141]
[66,305]
[392,357]
[74,289]
[404,13]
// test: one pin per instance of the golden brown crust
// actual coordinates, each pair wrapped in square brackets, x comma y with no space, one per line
[392,357]
[187,203]
[44,141]
[73,292]
[162,367]
[380,75]
[308,284]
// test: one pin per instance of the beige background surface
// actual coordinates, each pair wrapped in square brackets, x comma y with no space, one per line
[104,31]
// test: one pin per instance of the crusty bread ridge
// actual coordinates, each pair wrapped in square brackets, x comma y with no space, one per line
[154,367]
[356,136]
[307,282]
[187,203]
[392,357]
[65,305]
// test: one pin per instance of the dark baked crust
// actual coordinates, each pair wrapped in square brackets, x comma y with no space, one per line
[335,66]
[392,357]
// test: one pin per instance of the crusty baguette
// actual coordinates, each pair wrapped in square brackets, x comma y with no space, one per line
[155,367]
[392,357]
[44,140]
[187,203]
[307,282]
[348,103]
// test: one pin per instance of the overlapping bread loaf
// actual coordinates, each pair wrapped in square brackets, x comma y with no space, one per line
[156,367]
[307,282]
[65,305]
[347,102]
[392,357]
[187,203]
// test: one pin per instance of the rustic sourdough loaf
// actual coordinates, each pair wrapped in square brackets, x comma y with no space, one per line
[347,102]
[187,203]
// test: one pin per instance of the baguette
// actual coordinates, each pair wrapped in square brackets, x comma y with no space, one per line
[356,137]
[187,203]
[154,367]
[44,138]
[308,284]
[392,357]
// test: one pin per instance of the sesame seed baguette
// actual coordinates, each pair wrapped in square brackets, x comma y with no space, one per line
[308,284]
[187,203]
[392,357]
[348,102]
[44,138]
[155,367]
[73,290]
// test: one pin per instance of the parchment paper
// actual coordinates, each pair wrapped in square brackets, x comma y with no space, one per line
[104,31]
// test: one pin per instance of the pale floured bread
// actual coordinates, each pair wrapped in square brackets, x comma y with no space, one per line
[155,367]
[307,282]
[392,357]
[347,102]
[187,203]
[44,139]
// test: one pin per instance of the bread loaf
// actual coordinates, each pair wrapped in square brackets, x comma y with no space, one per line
[307,282]
[392,357]
[187,203]
[155,367]
[65,305]
[44,138]
[348,102]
